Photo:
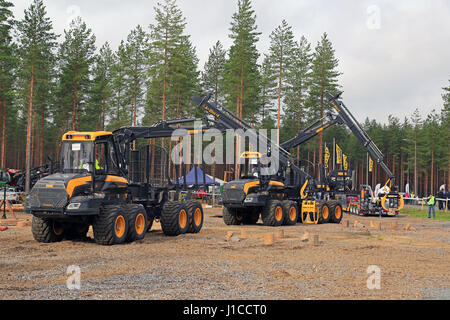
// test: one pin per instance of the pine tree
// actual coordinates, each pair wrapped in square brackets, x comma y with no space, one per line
[212,76]
[102,84]
[119,87]
[324,79]
[268,89]
[76,57]
[184,80]
[281,55]
[135,69]
[241,77]
[165,37]
[299,82]
[7,63]
[36,44]
[446,128]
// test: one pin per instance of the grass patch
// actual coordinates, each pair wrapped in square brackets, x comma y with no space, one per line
[441,215]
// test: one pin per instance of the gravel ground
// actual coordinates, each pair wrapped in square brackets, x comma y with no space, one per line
[414,264]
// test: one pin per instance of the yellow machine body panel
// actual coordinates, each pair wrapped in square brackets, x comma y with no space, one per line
[84,136]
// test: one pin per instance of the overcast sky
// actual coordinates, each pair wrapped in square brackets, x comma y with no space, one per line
[394,55]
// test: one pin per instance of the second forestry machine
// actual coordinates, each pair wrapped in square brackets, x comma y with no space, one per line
[289,195]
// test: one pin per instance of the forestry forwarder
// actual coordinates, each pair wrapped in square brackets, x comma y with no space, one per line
[283,198]
[339,181]
[91,188]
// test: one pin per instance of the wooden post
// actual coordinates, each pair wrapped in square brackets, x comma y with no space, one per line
[316,241]
[268,239]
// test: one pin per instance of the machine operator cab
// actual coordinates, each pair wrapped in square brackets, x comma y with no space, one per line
[89,168]
[87,152]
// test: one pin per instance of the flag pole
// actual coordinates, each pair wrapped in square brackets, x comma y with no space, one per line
[334,152]
[367,171]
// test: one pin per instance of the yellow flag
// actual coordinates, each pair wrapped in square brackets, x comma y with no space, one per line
[327,157]
[370,164]
[338,154]
[344,157]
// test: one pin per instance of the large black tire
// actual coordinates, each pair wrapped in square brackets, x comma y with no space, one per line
[273,213]
[196,216]
[324,212]
[46,230]
[290,212]
[137,222]
[336,213]
[252,216]
[232,216]
[110,225]
[174,218]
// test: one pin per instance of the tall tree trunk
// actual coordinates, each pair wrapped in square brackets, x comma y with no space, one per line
[41,139]
[279,97]
[134,107]
[74,107]
[164,84]
[320,135]
[432,171]
[4,134]
[28,144]
[103,112]
[299,120]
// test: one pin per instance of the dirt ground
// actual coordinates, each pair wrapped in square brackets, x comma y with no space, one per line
[414,264]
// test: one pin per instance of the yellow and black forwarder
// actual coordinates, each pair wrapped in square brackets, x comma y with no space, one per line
[94,187]
[283,196]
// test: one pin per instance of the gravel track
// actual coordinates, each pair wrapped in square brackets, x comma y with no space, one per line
[414,264]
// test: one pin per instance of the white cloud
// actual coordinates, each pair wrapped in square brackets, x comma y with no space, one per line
[390,70]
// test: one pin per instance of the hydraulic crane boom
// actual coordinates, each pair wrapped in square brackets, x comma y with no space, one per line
[225,119]
[358,131]
[342,116]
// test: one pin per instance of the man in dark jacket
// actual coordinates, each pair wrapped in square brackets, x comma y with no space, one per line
[440,195]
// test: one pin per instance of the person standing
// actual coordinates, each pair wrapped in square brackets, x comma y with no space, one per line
[431,201]
[440,196]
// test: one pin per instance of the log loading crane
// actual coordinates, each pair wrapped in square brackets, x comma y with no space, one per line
[275,196]
[93,187]
[340,181]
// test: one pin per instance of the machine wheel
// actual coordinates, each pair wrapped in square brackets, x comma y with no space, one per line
[336,213]
[196,216]
[290,212]
[232,216]
[273,213]
[46,230]
[174,218]
[110,226]
[324,213]
[77,231]
[252,217]
[137,222]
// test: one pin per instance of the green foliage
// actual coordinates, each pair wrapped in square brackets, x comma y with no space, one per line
[212,75]
[76,57]
[101,93]
[324,77]
[299,83]
[268,89]
[241,75]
